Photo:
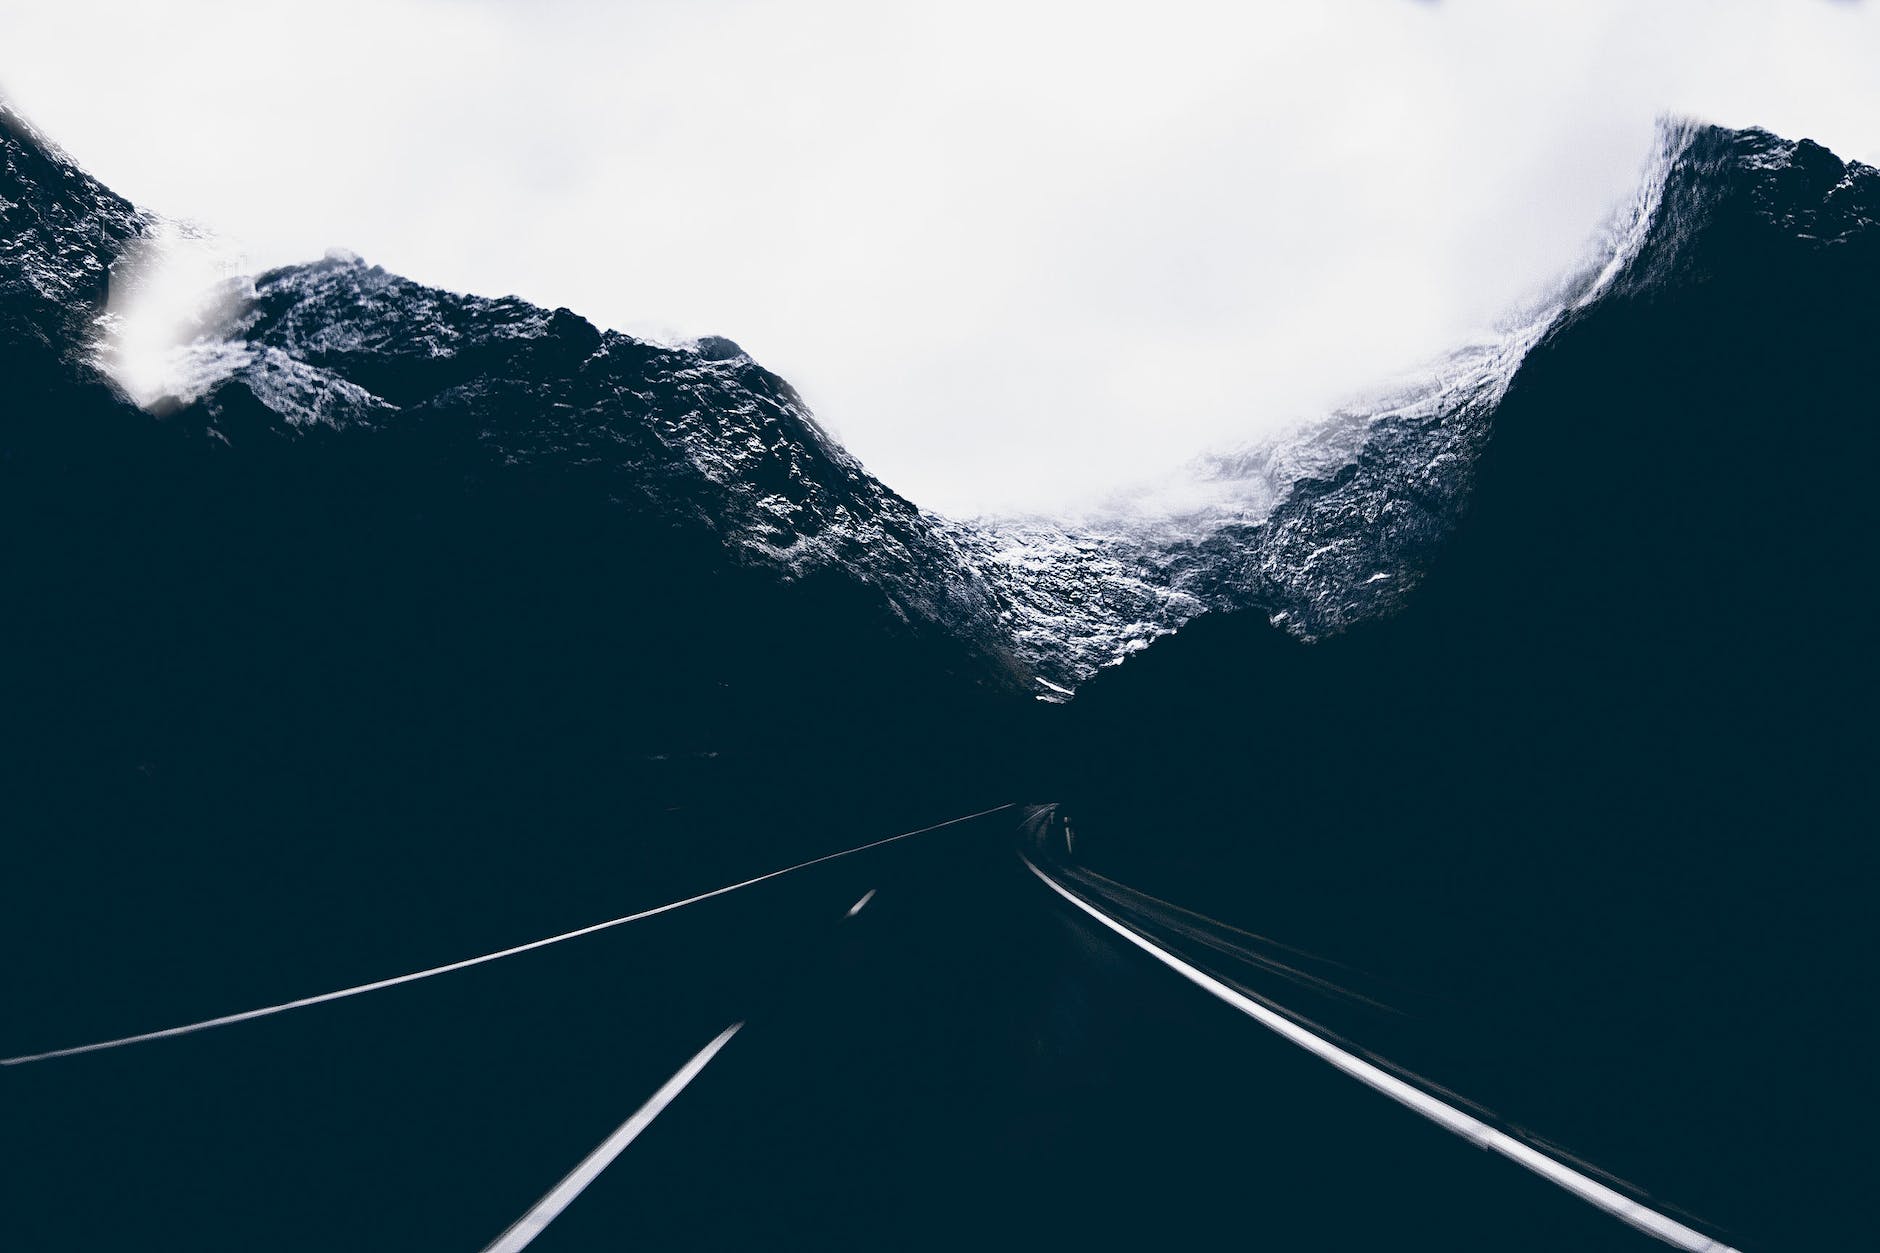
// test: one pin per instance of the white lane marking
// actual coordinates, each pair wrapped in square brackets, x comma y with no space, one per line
[862,904]
[562,1195]
[1468,1127]
[380,984]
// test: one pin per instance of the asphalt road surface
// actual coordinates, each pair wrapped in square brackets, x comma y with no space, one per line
[928,1044]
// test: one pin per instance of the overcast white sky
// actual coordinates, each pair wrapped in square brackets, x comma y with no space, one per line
[1010,252]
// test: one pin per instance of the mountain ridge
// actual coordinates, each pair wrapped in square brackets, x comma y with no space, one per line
[1317,530]
[1599,786]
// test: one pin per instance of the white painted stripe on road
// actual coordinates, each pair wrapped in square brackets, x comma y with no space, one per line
[862,904]
[1465,1125]
[562,1195]
[380,984]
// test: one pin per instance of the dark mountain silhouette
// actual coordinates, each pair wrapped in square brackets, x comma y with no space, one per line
[1603,781]
[460,617]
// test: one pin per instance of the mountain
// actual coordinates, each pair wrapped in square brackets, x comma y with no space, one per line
[1324,526]
[369,391]
[403,623]
[699,435]
[1318,529]
[702,437]
[459,615]
[1599,783]
[59,232]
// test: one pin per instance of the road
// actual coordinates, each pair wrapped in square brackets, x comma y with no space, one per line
[924,1045]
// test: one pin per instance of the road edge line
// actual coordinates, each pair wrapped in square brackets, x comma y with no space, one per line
[1470,1128]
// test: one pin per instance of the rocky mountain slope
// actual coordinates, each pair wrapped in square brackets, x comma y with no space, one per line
[1599,786]
[1325,527]
[699,434]
[1328,526]
[399,580]
[60,230]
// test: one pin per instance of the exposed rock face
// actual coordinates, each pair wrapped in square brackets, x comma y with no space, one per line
[59,232]
[699,434]
[375,536]
[1329,526]
[1604,776]
[1337,523]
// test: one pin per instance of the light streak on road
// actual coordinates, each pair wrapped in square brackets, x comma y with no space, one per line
[465,964]
[1447,1116]
[562,1195]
